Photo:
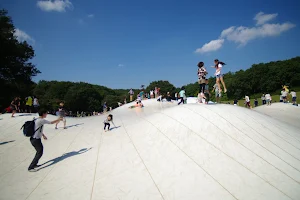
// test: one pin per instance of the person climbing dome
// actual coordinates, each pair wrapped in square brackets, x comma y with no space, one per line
[219,75]
[247,102]
[107,122]
[182,95]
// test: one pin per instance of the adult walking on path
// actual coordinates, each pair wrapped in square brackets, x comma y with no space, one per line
[36,138]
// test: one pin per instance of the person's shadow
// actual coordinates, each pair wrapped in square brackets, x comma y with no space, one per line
[115,127]
[1,143]
[74,125]
[26,114]
[61,158]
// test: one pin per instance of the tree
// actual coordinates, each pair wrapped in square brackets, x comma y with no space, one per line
[16,70]
[83,97]
[165,86]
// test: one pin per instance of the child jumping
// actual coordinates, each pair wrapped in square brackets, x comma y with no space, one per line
[219,75]
[107,122]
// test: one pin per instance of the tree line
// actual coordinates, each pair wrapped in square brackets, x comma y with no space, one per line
[16,73]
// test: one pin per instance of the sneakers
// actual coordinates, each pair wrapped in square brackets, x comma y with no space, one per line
[32,170]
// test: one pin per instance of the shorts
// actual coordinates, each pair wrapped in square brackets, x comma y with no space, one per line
[219,76]
[294,98]
[12,108]
[283,97]
[268,100]
[248,104]
[218,94]
[62,118]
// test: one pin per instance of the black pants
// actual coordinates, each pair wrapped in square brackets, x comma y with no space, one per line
[106,124]
[181,100]
[37,144]
[202,87]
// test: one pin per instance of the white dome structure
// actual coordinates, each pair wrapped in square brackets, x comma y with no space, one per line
[160,152]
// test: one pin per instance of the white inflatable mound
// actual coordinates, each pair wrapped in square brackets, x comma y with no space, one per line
[162,151]
[283,112]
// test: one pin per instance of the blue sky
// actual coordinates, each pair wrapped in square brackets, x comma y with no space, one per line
[123,44]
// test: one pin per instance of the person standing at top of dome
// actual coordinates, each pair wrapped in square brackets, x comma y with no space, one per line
[219,75]
[131,93]
[201,76]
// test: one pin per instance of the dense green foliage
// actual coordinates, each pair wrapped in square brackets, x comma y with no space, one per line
[16,74]
[16,70]
[77,96]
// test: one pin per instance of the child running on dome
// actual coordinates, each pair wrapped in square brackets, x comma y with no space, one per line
[107,122]
[138,104]
[61,115]
[219,75]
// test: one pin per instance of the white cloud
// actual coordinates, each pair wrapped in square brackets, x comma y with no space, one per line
[54,5]
[213,45]
[121,65]
[91,16]
[262,18]
[22,36]
[242,35]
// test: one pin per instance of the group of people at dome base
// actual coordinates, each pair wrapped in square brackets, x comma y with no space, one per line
[266,99]
[180,97]
[284,96]
[29,105]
